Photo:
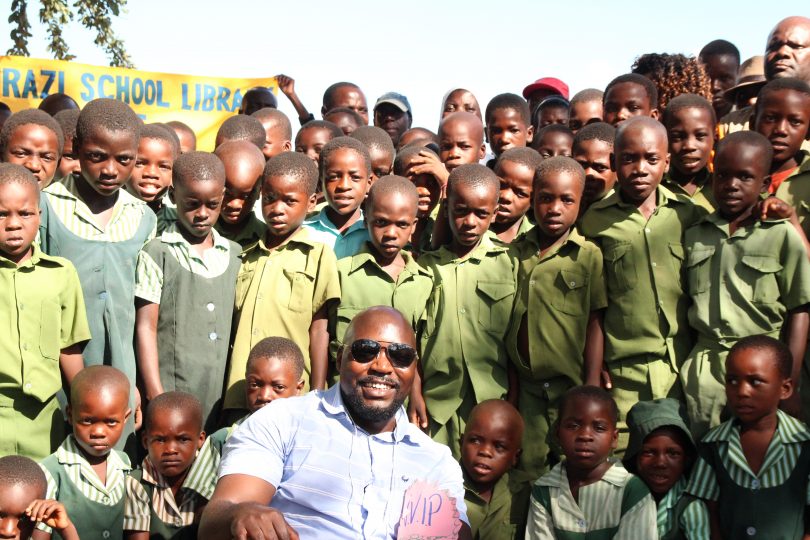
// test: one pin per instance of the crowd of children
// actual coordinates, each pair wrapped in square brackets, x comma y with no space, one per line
[612,308]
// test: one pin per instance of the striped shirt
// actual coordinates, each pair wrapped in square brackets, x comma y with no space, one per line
[780,458]
[74,213]
[694,522]
[598,514]
[83,476]
[213,262]
[177,511]
[332,479]
[344,244]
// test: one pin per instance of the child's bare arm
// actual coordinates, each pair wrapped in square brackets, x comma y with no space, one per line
[594,348]
[417,408]
[319,348]
[146,320]
[287,86]
[53,514]
[796,325]
[773,207]
[136,535]
[441,227]
[70,362]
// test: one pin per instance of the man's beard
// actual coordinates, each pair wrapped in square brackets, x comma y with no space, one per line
[361,411]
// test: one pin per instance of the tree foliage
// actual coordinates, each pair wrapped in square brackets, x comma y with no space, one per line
[57,14]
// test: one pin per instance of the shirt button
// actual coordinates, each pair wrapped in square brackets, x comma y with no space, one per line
[22,307]
[755,484]
[654,265]
[210,306]
[531,282]
[212,336]
[25,346]
[105,534]
[546,385]
[178,522]
[573,284]
[581,523]
[750,531]
[258,297]
[462,311]
[647,230]
[28,386]
[255,332]
[106,500]
[103,295]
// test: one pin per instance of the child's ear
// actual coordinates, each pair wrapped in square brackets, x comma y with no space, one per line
[144,439]
[668,159]
[655,114]
[516,457]
[766,184]
[339,357]
[299,386]
[614,439]
[529,135]
[69,414]
[482,152]
[787,388]
[486,134]
[287,146]
[312,202]
[128,413]
[201,440]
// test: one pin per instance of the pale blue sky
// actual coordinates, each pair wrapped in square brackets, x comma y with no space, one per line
[420,48]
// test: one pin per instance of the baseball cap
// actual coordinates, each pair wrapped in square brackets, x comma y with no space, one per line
[547,83]
[397,100]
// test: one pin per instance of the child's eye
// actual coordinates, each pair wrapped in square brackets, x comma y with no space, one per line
[279,388]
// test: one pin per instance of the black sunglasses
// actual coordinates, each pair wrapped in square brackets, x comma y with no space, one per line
[400,354]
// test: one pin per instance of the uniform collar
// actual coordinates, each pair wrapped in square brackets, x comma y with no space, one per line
[67,189]
[172,235]
[326,223]
[558,476]
[663,197]
[301,237]
[37,258]
[716,219]
[788,429]
[366,256]
[194,481]
[69,453]
[485,247]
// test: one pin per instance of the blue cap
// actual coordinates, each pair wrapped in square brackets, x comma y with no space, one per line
[398,100]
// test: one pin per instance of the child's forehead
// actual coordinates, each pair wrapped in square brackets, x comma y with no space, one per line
[30,190]
[781,96]
[693,113]
[592,146]
[626,90]
[312,132]
[287,183]
[102,136]
[343,155]
[30,128]
[587,407]
[641,134]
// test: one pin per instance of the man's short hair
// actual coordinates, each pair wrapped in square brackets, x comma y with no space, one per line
[280,119]
[21,470]
[688,101]
[475,176]
[183,402]
[720,47]
[197,167]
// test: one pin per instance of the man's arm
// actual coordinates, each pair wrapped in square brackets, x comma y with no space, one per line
[239,509]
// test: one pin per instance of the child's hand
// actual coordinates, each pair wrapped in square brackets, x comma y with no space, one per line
[286,85]
[51,513]
[417,411]
[426,162]
[773,208]
[607,382]
[137,414]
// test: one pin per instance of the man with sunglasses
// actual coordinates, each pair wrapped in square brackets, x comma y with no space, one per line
[335,463]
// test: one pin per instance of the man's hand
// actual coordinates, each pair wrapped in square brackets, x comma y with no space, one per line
[257,522]
[286,85]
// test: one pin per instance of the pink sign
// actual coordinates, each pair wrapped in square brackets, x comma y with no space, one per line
[428,513]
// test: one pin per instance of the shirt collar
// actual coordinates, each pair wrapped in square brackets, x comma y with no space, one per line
[37,258]
[663,197]
[366,256]
[332,404]
[301,237]
[558,477]
[533,236]
[788,429]
[193,482]
[716,219]
[172,235]
[673,495]
[69,453]
[484,248]
[326,223]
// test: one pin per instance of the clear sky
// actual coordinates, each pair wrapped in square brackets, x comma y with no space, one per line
[420,48]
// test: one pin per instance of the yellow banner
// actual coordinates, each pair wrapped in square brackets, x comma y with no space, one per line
[201,102]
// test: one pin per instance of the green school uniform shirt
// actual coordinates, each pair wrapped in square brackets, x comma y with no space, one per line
[556,293]
[277,293]
[643,264]
[504,516]
[525,226]
[41,313]
[363,283]
[795,190]
[467,319]
[250,232]
[703,196]
[618,506]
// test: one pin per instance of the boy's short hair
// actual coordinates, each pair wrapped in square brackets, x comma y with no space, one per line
[344,110]
[550,102]
[35,117]
[688,101]
[184,402]
[375,139]
[509,101]
[278,117]
[177,125]
[341,143]
[281,349]
[95,379]
[20,470]
[593,393]
[109,115]
[12,173]
[172,133]
[295,165]
[321,124]
[635,78]
[242,150]
[750,138]
[599,131]
[405,154]
[781,352]
[786,83]
[329,94]
[558,164]
[161,133]
[720,47]
[242,127]
[589,94]
[643,121]
[197,167]
[553,128]
[473,175]
[67,120]
[528,157]
[393,184]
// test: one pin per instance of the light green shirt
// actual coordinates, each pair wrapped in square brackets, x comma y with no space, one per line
[250,232]
[504,516]
[41,312]
[703,196]
[694,521]
[795,190]
[643,263]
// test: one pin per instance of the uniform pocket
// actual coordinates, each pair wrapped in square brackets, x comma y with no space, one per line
[301,285]
[698,271]
[620,267]
[762,270]
[494,304]
[243,280]
[570,294]
[50,330]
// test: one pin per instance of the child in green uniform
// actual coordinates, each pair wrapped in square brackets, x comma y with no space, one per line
[588,496]
[33,139]
[753,470]
[556,335]
[287,279]
[185,291]
[497,500]
[382,273]
[407,164]
[86,474]
[275,370]
[661,452]
[243,185]
[152,175]
[691,125]
[593,150]
[463,351]
[515,170]
[627,96]
[165,498]
[746,277]
[43,323]
[508,124]
[23,504]
[100,228]
[639,229]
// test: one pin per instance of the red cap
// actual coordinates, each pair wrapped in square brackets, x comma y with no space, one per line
[547,83]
